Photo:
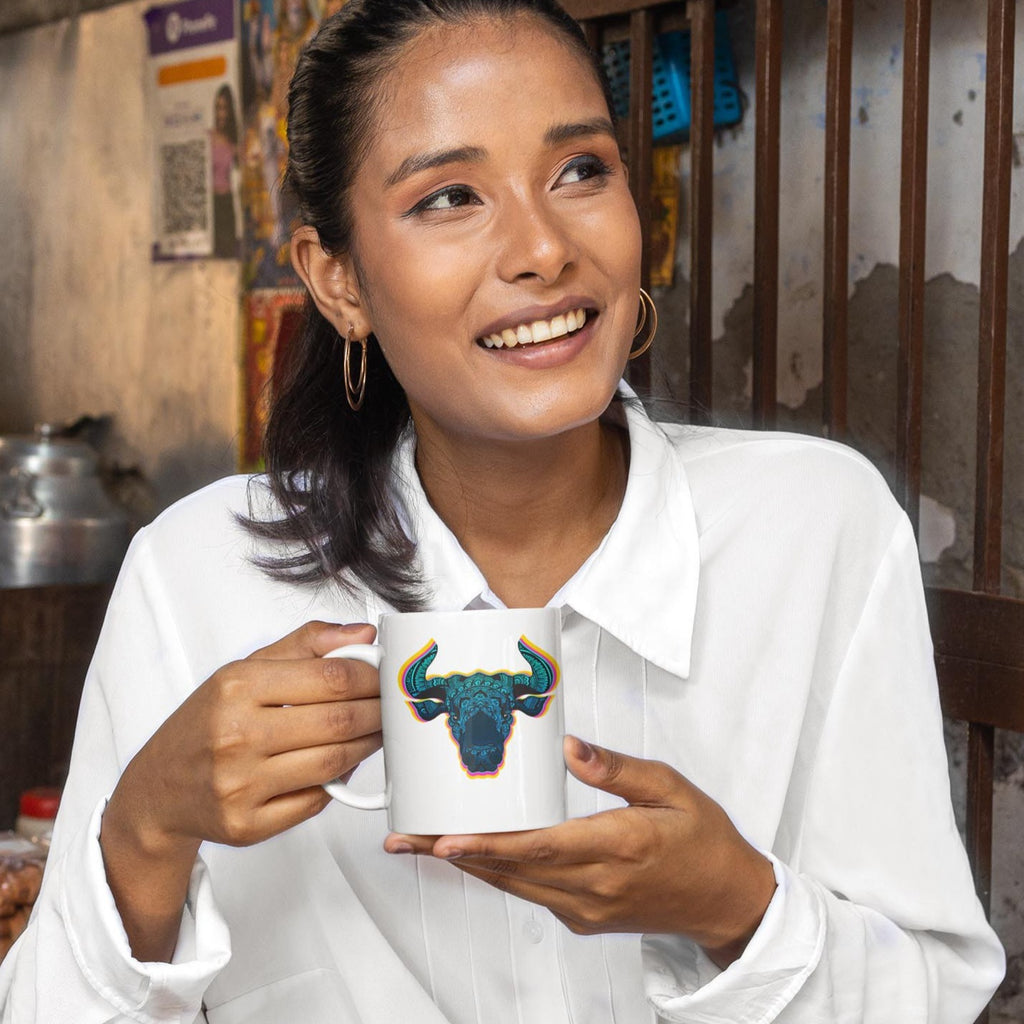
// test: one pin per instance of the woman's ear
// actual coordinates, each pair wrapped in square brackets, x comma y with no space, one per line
[331,281]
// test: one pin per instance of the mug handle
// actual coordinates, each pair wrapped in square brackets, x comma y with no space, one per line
[371,655]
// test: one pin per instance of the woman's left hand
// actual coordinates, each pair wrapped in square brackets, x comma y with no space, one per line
[671,861]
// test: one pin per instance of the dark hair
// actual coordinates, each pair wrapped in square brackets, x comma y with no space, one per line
[329,467]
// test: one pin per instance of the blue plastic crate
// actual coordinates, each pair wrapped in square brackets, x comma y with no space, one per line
[670,113]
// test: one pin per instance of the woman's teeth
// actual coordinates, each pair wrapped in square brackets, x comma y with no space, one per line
[539,330]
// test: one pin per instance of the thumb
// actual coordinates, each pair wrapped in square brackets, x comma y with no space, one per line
[640,782]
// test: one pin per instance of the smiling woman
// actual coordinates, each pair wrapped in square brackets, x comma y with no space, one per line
[460,236]
[739,612]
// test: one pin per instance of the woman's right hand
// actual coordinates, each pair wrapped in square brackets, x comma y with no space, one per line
[242,759]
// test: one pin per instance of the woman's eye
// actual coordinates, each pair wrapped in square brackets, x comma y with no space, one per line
[450,198]
[583,168]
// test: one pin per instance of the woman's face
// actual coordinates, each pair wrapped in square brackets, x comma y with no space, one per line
[492,211]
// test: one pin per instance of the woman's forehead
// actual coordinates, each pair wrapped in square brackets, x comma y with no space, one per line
[484,74]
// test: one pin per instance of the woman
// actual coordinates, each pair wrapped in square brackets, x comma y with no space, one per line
[223,164]
[764,831]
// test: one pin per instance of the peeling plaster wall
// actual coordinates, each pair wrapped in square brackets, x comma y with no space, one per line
[956,146]
[87,323]
[956,117]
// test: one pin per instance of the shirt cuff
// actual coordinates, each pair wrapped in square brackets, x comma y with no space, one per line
[685,987]
[153,993]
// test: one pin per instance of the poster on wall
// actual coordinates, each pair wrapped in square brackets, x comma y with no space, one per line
[193,97]
[273,34]
[271,318]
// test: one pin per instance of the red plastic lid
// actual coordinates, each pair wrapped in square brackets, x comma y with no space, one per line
[39,803]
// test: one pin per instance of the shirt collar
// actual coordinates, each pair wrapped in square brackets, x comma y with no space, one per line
[640,584]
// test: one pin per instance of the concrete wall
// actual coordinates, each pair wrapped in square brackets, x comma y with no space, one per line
[87,323]
[16,15]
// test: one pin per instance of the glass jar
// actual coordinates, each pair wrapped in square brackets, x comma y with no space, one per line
[36,810]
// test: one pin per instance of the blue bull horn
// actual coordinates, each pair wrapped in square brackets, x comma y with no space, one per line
[429,696]
[532,692]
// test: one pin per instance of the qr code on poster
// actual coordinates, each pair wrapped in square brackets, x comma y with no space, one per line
[184,186]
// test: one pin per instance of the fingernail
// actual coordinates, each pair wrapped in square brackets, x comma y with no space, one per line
[584,751]
[401,848]
[453,855]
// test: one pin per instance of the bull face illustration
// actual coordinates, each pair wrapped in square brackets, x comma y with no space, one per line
[480,706]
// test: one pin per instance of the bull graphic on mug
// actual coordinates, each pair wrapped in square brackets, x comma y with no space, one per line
[480,706]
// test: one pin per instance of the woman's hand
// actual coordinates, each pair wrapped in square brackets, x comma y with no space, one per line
[242,759]
[671,861]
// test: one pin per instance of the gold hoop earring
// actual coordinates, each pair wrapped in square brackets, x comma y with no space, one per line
[355,393]
[647,312]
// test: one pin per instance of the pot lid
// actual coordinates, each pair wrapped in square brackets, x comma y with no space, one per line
[47,454]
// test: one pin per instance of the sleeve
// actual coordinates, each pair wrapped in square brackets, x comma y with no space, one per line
[875,917]
[73,964]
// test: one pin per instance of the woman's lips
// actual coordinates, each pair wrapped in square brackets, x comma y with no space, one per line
[556,352]
[538,331]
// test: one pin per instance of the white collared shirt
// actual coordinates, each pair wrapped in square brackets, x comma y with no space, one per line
[754,618]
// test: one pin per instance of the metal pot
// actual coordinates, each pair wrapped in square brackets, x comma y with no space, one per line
[57,524]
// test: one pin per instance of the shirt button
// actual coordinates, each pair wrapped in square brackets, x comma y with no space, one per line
[534,931]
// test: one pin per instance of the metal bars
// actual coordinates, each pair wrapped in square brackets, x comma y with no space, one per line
[995,233]
[913,206]
[701,14]
[768,78]
[837,216]
[991,401]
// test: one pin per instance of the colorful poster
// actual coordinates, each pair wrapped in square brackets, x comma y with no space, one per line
[273,34]
[193,90]
[271,318]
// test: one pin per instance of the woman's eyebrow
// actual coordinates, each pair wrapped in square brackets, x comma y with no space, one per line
[426,161]
[555,135]
[559,133]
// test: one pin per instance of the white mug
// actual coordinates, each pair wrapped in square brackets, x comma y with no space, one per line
[471,710]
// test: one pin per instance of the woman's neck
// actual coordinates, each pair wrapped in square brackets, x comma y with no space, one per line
[529,514]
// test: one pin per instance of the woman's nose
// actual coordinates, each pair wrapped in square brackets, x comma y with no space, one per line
[536,243]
